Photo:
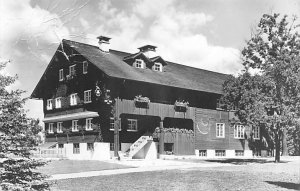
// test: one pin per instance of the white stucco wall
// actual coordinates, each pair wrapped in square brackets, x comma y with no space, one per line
[230,153]
[248,153]
[210,153]
[101,152]
[125,146]
[149,152]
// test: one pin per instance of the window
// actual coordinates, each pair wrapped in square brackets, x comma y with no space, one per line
[85,67]
[73,99]
[88,96]
[220,153]
[49,104]
[60,146]
[112,124]
[58,102]
[256,132]
[239,131]
[157,67]
[132,125]
[50,129]
[59,127]
[72,70]
[139,63]
[220,130]
[61,75]
[90,146]
[88,124]
[76,148]
[168,148]
[202,153]
[74,125]
[239,153]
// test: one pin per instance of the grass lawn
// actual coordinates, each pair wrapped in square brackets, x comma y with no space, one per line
[74,166]
[256,176]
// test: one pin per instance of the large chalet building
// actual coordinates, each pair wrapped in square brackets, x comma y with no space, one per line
[101,103]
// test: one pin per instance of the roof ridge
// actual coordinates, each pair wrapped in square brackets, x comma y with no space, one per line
[78,42]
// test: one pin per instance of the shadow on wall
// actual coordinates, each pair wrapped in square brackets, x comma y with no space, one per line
[243,161]
[287,185]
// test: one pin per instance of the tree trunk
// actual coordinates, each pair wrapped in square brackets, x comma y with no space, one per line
[277,146]
[284,143]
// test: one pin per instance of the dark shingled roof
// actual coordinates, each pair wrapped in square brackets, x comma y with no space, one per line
[174,75]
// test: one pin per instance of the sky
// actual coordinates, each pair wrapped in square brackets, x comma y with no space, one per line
[207,34]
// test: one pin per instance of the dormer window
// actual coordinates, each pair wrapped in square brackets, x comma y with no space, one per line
[139,63]
[157,67]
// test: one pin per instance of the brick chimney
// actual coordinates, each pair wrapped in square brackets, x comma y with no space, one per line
[103,43]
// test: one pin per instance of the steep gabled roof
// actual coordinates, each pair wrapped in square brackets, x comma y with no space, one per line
[158,59]
[174,75]
[135,56]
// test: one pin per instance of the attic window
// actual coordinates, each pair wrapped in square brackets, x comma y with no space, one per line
[157,67]
[85,67]
[72,70]
[139,63]
[61,74]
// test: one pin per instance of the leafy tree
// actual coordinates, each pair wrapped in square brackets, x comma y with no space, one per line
[293,140]
[18,137]
[267,92]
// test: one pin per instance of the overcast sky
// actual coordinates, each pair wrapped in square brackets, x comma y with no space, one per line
[207,34]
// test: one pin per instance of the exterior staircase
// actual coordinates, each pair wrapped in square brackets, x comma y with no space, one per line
[135,147]
[138,145]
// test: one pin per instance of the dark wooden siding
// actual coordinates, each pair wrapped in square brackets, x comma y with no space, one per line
[155,109]
[205,131]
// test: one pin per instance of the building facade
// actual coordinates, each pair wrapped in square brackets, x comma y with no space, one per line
[101,103]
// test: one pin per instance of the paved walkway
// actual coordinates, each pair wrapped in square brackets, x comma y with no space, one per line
[139,166]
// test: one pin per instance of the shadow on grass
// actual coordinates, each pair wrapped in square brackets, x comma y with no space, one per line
[243,161]
[287,185]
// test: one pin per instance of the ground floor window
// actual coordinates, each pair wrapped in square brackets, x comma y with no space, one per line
[239,153]
[60,146]
[132,125]
[168,147]
[220,153]
[202,153]
[256,132]
[76,148]
[90,146]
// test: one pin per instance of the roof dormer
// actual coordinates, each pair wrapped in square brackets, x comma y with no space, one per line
[144,59]
[137,60]
[158,67]
[139,63]
[158,64]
